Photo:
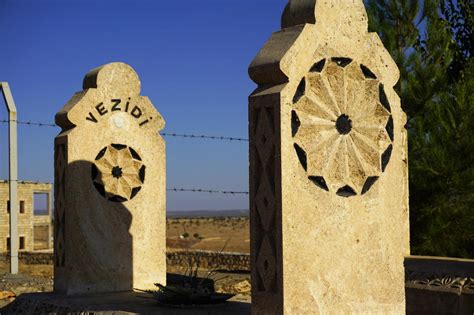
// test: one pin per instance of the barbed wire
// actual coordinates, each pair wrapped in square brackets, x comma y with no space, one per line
[30,123]
[166,134]
[174,189]
[210,191]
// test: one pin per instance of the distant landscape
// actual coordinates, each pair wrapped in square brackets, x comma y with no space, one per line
[215,230]
[189,213]
[41,211]
[226,231]
[207,213]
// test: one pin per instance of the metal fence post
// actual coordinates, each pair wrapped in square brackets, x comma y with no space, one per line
[13,175]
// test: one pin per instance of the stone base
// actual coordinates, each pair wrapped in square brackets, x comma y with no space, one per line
[115,303]
[439,285]
[428,300]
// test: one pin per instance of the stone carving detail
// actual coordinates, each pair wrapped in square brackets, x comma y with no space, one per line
[461,282]
[342,126]
[266,264]
[118,172]
[59,198]
[265,197]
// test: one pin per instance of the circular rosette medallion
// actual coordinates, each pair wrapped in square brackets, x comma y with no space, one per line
[342,126]
[118,172]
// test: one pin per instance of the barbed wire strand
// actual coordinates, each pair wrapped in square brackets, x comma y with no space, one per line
[166,134]
[210,191]
[198,190]
[174,189]
[30,123]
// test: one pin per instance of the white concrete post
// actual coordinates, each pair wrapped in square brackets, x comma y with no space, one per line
[13,175]
[50,200]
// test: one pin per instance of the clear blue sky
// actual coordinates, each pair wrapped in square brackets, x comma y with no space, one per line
[192,58]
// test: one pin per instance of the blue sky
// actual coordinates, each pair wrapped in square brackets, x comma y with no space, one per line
[192,58]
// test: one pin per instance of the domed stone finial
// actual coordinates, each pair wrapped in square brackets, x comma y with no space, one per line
[113,76]
[299,12]
[345,14]
[111,92]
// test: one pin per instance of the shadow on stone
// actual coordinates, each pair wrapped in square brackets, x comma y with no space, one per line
[94,246]
[122,303]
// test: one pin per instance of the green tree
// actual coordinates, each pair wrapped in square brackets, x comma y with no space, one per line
[460,16]
[431,42]
[442,168]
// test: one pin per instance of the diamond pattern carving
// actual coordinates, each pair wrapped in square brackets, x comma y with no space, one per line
[59,197]
[264,199]
[264,141]
[266,265]
[265,203]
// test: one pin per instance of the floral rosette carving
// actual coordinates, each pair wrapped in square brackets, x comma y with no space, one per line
[342,126]
[118,172]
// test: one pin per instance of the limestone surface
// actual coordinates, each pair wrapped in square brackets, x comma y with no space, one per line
[110,220]
[328,167]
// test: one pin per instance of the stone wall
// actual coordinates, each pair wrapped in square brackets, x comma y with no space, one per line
[432,283]
[439,285]
[31,258]
[26,217]
[210,260]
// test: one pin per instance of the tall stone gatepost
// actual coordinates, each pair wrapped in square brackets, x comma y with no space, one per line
[110,220]
[328,167]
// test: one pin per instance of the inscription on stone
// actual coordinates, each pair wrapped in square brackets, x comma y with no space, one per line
[117,105]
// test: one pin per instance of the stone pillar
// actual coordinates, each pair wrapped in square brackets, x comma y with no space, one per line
[109,187]
[328,167]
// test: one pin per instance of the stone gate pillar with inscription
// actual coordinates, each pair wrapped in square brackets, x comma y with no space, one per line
[328,167]
[109,187]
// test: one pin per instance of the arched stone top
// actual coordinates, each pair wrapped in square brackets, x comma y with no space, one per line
[314,29]
[299,12]
[343,14]
[113,76]
[111,96]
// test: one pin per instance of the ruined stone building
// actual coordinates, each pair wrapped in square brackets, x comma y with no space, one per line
[34,216]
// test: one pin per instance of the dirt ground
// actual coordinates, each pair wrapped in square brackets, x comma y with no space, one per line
[229,282]
[217,234]
[43,271]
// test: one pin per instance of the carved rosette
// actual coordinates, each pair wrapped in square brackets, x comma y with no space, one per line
[342,126]
[118,172]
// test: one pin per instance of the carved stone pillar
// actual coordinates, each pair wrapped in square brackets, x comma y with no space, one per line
[328,167]
[110,190]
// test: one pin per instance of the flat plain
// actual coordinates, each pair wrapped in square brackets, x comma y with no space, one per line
[227,234]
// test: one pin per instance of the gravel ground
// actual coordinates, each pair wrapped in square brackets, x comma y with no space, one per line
[12,286]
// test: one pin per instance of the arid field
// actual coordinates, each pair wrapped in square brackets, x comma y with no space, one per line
[228,234]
